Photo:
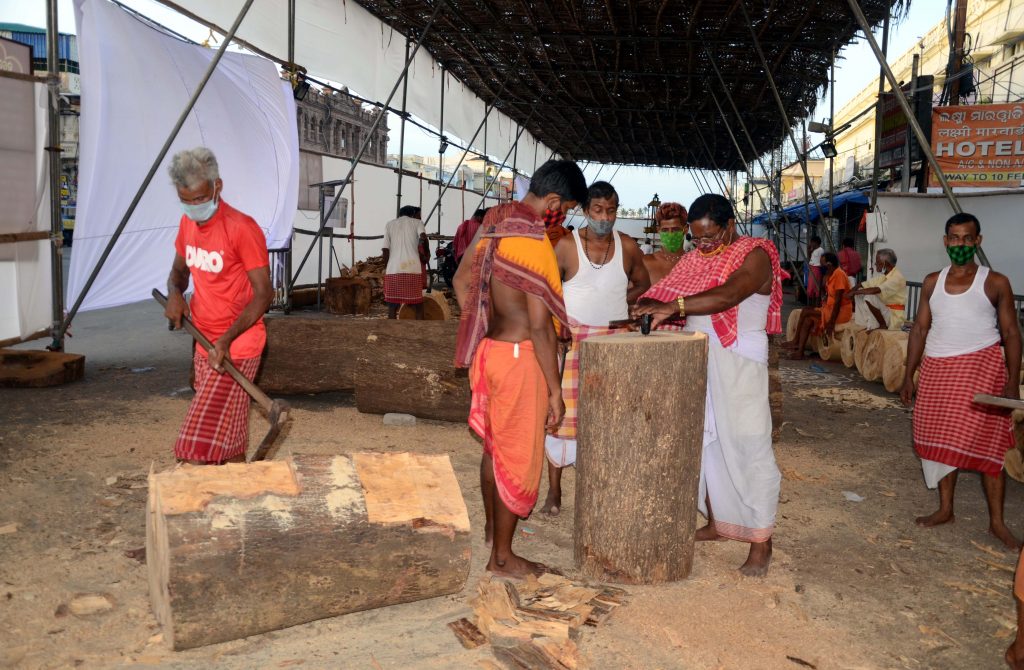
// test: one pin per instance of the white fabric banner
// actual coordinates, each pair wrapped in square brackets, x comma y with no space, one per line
[135,83]
[344,43]
[25,279]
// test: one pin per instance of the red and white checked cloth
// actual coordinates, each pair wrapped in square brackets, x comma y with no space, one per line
[216,427]
[949,427]
[695,274]
[571,377]
[405,288]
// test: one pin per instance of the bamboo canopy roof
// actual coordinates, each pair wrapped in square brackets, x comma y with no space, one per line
[632,82]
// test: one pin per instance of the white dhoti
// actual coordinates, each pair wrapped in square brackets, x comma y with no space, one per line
[864,317]
[560,451]
[738,470]
[934,471]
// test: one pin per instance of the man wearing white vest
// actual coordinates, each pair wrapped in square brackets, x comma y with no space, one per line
[602,272]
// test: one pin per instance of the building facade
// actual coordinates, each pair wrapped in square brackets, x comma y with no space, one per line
[995,50]
[334,123]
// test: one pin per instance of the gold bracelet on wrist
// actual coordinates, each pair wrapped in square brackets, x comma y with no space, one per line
[681,301]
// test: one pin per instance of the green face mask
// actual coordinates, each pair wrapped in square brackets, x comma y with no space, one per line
[961,255]
[672,241]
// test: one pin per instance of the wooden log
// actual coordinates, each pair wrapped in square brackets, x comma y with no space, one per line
[830,347]
[304,297]
[791,323]
[860,340]
[242,549]
[29,368]
[874,352]
[435,308]
[894,363]
[347,295]
[311,354]
[638,461]
[406,367]
[847,345]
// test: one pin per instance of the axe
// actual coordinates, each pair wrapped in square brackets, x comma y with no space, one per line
[277,410]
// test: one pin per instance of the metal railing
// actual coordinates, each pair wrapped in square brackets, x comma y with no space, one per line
[280,272]
[914,301]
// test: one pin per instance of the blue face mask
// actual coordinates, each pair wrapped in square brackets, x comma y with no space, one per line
[202,212]
[600,228]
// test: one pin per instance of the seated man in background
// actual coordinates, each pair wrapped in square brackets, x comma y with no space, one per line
[837,309]
[672,230]
[881,301]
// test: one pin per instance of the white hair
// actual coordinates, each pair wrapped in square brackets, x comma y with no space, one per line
[193,167]
[887,256]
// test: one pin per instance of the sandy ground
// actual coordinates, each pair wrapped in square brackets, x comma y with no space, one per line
[853,584]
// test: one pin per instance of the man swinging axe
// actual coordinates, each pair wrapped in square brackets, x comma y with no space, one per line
[225,254]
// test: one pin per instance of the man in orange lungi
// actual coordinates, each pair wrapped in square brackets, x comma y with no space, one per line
[510,293]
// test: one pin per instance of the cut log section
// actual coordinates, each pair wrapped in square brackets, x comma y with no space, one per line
[29,368]
[435,308]
[847,345]
[311,354]
[830,347]
[860,341]
[347,295]
[894,363]
[406,367]
[791,324]
[874,352]
[243,549]
[638,459]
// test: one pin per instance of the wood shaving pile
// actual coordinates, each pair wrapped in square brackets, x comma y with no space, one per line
[846,397]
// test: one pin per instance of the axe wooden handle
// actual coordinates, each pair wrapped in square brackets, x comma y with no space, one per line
[259,396]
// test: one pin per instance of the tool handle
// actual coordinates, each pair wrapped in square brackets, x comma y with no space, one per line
[259,396]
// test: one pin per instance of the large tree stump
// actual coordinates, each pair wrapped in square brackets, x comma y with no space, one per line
[311,354]
[847,345]
[29,368]
[347,295]
[243,549]
[894,363]
[406,367]
[830,347]
[874,352]
[641,429]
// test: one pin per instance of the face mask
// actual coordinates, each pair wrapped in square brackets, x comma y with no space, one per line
[710,246]
[600,228]
[672,241]
[553,217]
[202,212]
[961,255]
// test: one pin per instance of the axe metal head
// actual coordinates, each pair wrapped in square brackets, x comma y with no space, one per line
[280,412]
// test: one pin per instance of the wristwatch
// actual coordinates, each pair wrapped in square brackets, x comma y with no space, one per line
[681,301]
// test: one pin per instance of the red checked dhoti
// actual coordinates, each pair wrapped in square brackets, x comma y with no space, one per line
[404,288]
[949,427]
[216,427]
[510,402]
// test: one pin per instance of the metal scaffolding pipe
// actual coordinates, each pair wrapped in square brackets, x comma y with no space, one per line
[59,335]
[487,189]
[401,133]
[802,156]
[876,159]
[369,134]
[53,150]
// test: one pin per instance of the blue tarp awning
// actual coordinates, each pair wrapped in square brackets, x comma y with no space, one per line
[799,213]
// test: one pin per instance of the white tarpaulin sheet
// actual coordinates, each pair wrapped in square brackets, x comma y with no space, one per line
[342,42]
[25,282]
[135,83]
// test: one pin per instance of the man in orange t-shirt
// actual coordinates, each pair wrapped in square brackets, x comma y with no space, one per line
[225,254]
[838,307]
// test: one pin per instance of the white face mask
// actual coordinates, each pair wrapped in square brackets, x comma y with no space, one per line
[600,228]
[202,212]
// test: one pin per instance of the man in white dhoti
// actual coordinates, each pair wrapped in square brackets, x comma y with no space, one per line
[881,302]
[730,288]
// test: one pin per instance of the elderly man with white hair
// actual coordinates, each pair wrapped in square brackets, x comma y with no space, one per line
[881,302]
[224,252]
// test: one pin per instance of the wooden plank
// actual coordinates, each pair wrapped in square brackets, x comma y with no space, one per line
[33,236]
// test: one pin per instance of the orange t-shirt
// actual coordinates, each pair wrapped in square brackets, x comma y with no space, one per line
[837,281]
[219,253]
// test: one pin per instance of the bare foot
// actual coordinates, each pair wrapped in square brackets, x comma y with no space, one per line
[516,567]
[708,534]
[935,519]
[552,504]
[1015,656]
[788,345]
[797,356]
[1003,534]
[758,560]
